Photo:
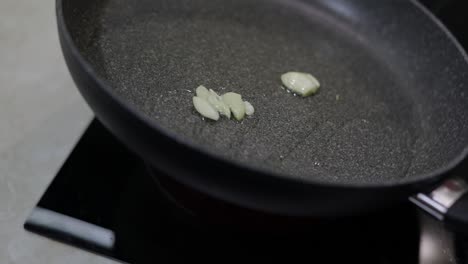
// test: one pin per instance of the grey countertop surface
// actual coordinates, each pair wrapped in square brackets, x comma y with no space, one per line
[42,117]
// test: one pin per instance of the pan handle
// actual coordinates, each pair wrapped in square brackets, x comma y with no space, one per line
[448,203]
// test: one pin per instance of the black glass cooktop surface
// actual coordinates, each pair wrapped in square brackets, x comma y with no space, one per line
[105,200]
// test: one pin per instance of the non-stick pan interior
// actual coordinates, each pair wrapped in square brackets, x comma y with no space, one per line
[393,101]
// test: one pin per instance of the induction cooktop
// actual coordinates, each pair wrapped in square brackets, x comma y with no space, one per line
[106,200]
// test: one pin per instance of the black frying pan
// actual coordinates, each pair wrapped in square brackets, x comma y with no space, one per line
[391,117]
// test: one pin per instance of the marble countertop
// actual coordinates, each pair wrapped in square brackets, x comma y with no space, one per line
[42,116]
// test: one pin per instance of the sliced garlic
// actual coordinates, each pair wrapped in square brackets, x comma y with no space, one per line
[303,84]
[205,108]
[235,103]
[249,109]
[202,92]
[217,102]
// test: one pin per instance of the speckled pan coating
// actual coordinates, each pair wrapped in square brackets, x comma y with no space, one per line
[391,105]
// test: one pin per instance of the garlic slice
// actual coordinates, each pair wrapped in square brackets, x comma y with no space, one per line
[202,92]
[217,102]
[205,109]
[301,83]
[249,109]
[235,103]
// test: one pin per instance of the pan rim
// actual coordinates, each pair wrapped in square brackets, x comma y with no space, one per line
[436,174]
